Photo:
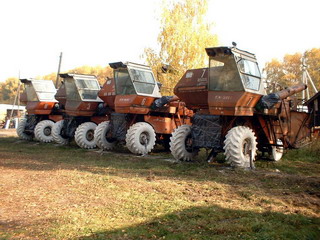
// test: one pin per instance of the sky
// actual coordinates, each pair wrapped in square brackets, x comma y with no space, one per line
[96,32]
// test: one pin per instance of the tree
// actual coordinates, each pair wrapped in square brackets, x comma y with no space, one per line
[313,64]
[101,72]
[183,38]
[8,90]
[288,72]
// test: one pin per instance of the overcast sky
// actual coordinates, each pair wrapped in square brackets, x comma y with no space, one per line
[96,32]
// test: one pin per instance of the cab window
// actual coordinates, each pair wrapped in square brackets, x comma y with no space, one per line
[250,74]
[223,75]
[88,88]
[143,81]
[124,85]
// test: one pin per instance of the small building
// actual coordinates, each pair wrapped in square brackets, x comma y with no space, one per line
[6,109]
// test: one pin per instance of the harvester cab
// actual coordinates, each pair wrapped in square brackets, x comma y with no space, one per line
[82,94]
[38,96]
[142,117]
[136,87]
[235,85]
[83,110]
[42,110]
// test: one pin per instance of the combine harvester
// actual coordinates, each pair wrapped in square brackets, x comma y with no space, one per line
[142,117]
[234,115]
[43,110]
[83,110]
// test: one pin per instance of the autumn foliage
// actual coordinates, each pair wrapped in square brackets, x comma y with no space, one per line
[288,71]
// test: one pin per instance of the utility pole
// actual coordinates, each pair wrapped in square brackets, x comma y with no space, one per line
[57,79]
[306,78]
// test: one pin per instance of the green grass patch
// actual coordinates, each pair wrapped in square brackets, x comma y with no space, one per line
[63,192]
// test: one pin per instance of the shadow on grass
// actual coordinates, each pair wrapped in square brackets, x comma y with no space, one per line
[215,222]
[46,157]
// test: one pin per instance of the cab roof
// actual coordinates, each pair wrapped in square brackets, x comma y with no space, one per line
[218,51]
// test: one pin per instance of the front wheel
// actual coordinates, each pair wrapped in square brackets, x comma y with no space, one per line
[240,147]
[20,130]
[100,136]
[56,133]
[181,144]
[42,131]
[140,138]
[84,135]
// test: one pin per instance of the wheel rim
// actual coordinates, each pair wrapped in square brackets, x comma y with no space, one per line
[144,138]
[277,151]
[188,143]
[108,137]
[90,135]
[47,131]
[247,148]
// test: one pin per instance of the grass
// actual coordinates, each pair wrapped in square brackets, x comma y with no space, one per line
[52,192]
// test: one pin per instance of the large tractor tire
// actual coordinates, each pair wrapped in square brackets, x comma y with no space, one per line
[181,144]
[20,130]
[240,147]
[84,135]
[277,151]
[56,133]
[42,131]
[100,136]
[140,138]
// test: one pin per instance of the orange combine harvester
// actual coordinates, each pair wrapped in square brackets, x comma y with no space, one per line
[234,115]
[43,110]
[142,116]
[83,110]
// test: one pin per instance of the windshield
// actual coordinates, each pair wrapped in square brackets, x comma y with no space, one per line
[71,90]
[224,75]
[44,89]
[124,85]
[31,93]
[88,88]
[250,74]
[143,81]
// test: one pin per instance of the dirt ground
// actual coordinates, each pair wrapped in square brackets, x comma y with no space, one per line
[8,133]
[52,192]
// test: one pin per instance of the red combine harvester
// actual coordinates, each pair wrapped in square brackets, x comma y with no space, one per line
[43,110]
[142,117]
[234,114]
[83,110]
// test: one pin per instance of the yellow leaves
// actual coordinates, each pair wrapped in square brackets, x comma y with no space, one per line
[183,37]
[289,71]
[101,72]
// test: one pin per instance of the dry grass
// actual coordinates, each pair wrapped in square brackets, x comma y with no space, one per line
[51,192]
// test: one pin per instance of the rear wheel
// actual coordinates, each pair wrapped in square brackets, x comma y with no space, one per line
[100,136]
[84,135]
[277,151]
[140,138]
[181,144]
[20,130]
[240,147]
[42,131]
[56,133]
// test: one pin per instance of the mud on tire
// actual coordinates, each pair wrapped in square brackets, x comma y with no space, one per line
[84,135]
[42,131]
